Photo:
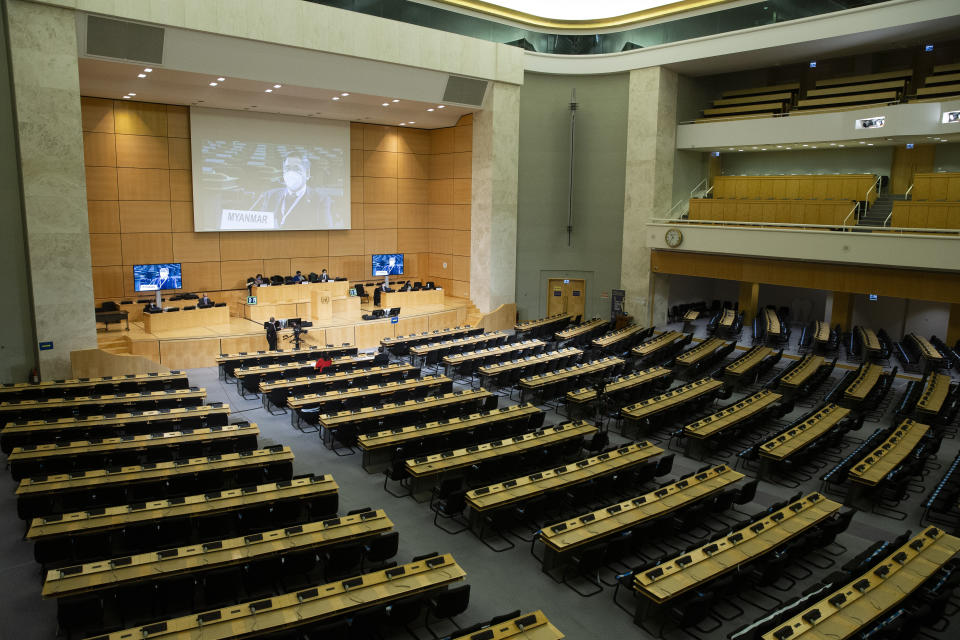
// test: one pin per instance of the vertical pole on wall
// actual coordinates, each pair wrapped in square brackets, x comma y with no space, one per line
[573,130]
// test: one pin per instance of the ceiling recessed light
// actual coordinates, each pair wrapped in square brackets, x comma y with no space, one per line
[276,86]
[268,90]
[862,142]
[220,79]
[441,106]
[403,124]
[385,104]
[147,70]
[840,145]
[394,100]
[126,97]
[806,145]
[213,84]
[344,94]
[141,75]
[336,97]
[411,122]
[779,146]
[431,109]
[132,93]
[869,144]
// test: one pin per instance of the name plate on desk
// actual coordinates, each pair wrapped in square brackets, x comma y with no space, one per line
[251,299]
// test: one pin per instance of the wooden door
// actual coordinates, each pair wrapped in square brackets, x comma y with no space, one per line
[566,295]
[907,162]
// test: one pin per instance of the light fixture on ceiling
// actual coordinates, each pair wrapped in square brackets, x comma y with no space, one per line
[141,75]
[335,98]
[869,144]
[220,79]
[403,124]
[344,94]
[131,94]
[806,145]
[148,70]
[441,106]
[779,146]
[840,145]
[411,122]
[385,104]
[394,100]
[276,86]
[268,90]
[430,109]
[213,84]
[126,97]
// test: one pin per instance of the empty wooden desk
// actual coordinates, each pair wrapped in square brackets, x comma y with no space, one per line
[620,388]
[275,392]
[45,431]
[580,330]
[409,299]
[83,386]
[501,352]
[727,318]
[229,362]
[186,319]
[507,373]
[125,571]
[426,470]
[421,353]
[550,384]
[745,364]
[389,439]
[691,315]
[530,325]
[400,345]
[801,372]
[533,626]
[800,435]
[563,537]
[369,419]
[250,378]
[620,339]
[772,325]
[934,394]
[821,333]
[696,391]
[307,606]
[926,350]
[868,342]
[873,468]
[662,341]
[35,459]
[700,352]
[695,569]
[710,427]
[78,523]
[87,405]
[864,383]
[856,605]
[525,487]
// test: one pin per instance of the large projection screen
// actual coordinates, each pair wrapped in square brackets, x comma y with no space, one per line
[262,172]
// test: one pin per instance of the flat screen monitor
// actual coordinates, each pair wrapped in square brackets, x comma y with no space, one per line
[154,277]
[388,264]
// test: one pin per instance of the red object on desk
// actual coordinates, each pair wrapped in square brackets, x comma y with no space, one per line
[322,364]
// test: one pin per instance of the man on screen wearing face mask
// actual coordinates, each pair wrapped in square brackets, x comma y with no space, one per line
[296,205]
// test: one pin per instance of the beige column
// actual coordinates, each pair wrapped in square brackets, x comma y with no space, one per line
[43,56]
[842,311]
[748,300]
[493,214]
[651,144]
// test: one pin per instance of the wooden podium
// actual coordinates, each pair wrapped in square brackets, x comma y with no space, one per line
[323,306]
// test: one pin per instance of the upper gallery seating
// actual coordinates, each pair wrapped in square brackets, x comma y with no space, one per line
[752,103]
[942,83]
[856,91]
[934,203]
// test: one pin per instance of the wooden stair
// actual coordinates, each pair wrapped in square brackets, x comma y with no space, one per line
[113,343]
[474,316]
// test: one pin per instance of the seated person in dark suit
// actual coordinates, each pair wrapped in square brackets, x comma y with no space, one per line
[385,288]
[298,278]
[406,287]
[204,301]
[324,277]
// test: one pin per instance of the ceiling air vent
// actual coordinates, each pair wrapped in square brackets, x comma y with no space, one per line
[465,91]
[124,40]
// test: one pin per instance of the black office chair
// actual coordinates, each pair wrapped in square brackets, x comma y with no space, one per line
[447,605]
[377,294]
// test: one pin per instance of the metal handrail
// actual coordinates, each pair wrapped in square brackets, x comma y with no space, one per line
[886,221]
[697,188]
[907,194]
[856,208]
[669,215]
[875,185]
[798,227]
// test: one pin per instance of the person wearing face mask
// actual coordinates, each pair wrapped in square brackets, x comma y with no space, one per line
[296,205]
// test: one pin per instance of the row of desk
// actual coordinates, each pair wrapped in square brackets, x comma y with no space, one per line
[701,352]
[935,392]
[15,410]
[414,339]
[773,328]
[544,325]
[455,345]
[803,433]
[501,352]
[620,387]
[581,330]
[748,362]
[801,372]
[661,343]
[367,419]
[372,395]
[553,382]
[696,391]
[867,378]
[620,339]
[926,350]
[517,368]
[275,392]
[251,377]
[868,342]
[733,416]
[114,384]
[228,362]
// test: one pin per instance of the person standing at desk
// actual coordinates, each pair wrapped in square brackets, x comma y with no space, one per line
[271,328]
[323,276]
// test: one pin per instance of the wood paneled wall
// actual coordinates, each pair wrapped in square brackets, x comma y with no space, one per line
[410,194]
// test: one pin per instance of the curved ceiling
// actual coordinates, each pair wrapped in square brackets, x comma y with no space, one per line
[577,14]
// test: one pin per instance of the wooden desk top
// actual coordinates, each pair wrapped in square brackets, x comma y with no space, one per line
[313,351]
[306,606]
[216,501]
[338,376]
[108,419]
[503,493]
[500,367]
[885,458]
[691,315]
[74,383]
[438,463]
[573,371]
[726,320]
[863,384]
[333,420]
[609,339]
[772,321]
[799,435]
[748,361]
[671,579]
[587,394]
[586,528]
[934,393]
[242,372]
[807,367]
[699,352]
[580,329]
[531,324]
[120,572]
[533,626]
[424,349]
[376,390]
[926,349]
[871,595]
[440,333]
[713,424]
[467,356]
[821,332]
[154,471]
[399,435]
[869,339]
[112,398]
[662,340]
[108,445]
[664,401]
